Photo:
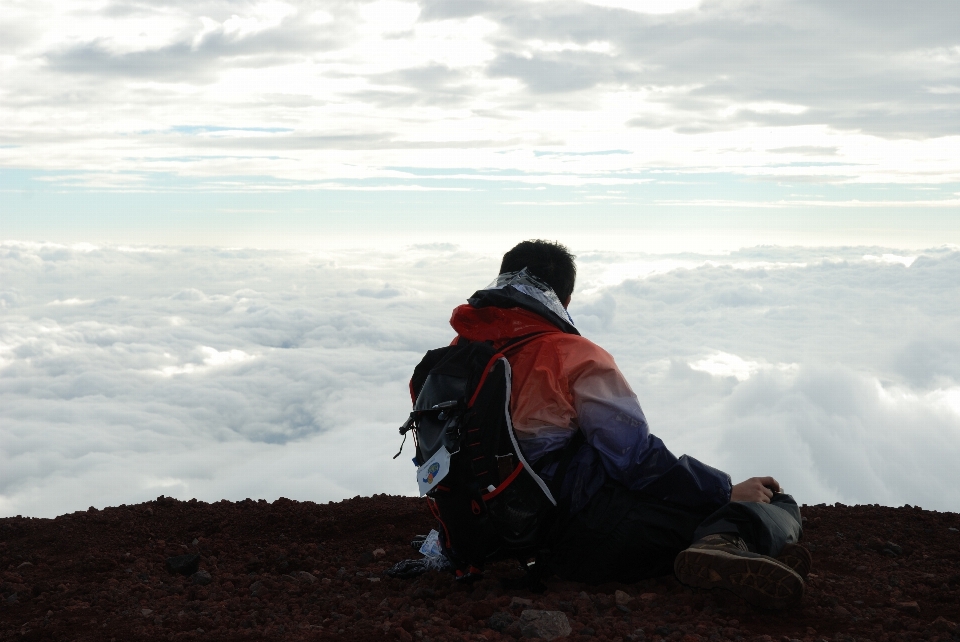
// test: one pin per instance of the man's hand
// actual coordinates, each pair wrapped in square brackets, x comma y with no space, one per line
[755,489]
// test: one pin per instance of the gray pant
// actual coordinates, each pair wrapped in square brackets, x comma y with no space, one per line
[766,528]
[623,536]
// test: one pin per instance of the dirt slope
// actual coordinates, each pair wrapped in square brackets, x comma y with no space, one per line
[303,571]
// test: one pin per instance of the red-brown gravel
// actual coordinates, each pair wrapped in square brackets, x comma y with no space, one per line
[304,571]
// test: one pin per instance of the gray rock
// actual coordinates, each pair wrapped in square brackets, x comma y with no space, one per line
[304,576]
[500,621]
[201,577]
[257,588]
[517,602]
[548,625]
[622,598]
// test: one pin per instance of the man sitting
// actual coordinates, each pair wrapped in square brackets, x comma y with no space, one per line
[631,509]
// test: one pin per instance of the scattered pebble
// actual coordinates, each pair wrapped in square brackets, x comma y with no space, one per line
[201,577]
[183,564]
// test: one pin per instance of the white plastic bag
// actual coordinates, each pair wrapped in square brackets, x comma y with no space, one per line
[431,545]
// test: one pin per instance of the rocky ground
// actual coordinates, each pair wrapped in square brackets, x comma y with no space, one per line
[305,571]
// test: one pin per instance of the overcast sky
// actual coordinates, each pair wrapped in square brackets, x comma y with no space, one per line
[811,122]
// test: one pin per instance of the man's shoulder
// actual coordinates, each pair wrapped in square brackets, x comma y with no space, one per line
[576,348]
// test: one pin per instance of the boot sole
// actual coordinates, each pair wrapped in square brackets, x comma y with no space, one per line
[796,557]
[760,580]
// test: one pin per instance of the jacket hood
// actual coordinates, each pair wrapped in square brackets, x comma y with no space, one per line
[516,303]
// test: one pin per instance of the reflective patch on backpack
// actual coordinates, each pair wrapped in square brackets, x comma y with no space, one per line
[433,470]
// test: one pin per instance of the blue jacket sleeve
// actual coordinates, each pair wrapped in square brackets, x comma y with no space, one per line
[617,430]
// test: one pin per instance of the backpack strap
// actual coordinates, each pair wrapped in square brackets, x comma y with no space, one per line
[509,346]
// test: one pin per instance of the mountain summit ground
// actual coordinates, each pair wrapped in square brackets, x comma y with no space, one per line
[252,570]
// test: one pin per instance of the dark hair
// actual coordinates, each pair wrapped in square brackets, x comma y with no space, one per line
[548,261]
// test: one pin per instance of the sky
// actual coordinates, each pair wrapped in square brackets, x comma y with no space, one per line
[229,230]
[647,125]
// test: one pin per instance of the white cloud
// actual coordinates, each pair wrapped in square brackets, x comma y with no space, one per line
[648,6]
[233,373]
[722,364]
[906,261]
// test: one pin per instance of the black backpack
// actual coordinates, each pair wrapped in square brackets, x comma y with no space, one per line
[490,501]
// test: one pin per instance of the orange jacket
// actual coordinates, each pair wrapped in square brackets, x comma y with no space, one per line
[563,382]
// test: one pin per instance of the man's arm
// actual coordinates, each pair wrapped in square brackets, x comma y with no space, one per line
[614,425]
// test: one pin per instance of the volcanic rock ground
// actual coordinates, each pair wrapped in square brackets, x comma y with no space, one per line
[304,571]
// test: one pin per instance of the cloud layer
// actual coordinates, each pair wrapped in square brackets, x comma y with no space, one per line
[130,372]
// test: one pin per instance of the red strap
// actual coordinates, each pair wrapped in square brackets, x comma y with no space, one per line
[487,370]
[436,513]
[493,360]
[506,482]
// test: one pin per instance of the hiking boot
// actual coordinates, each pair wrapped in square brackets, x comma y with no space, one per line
[796,557]
[723,561]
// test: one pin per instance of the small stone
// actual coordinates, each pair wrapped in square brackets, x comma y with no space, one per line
[518,602]
[257,588]
[146,612]
[622,598]
[183,564]
[201,577]
[874,544]
[910,608]
[194,542]
[839,610]
[25,565]
[303,576]
[548,625]
[646,597]
[943,624]
[951,528]
[373,579]
[378,553]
